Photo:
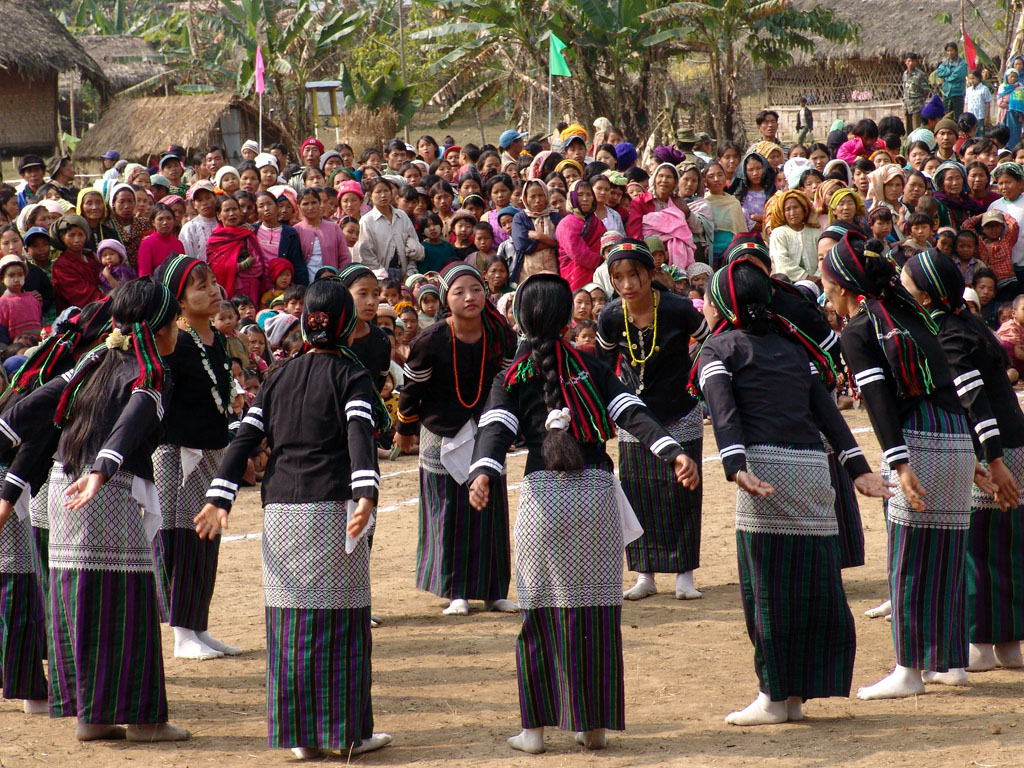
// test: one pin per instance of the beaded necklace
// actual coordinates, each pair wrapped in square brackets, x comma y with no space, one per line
[455,368]
[641,361]
[222,402]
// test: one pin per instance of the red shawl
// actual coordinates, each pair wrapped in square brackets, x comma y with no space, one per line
[225,248]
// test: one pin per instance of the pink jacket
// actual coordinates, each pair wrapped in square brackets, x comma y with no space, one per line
[671,226]
[577,259]
[333,248]
[851,150]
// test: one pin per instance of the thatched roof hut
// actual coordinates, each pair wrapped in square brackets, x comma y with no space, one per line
[869,68]
[34,49]
[127,61]
[142,128]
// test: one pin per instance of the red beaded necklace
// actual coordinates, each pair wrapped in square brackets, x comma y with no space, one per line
[455,367]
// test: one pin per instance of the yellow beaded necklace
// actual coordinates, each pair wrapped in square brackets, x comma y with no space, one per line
[633,359]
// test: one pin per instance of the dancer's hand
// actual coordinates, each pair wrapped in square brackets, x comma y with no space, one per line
[686,471]
[479,492]
[405,443]
[983,479]
[752,484]
[1007,493]
[873,484]
[210,521]
[5,512]
[82,491]
[911,487]
[359,519]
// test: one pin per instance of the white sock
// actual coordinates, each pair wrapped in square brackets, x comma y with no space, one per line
[898,684]
[596,738]
[188,646]
[376,741]
[305,753]
[531,741]
[883,609]
[982,657]
[761,711]
[644,587]
[1008,655]
[501,606]
[795,708]
[684,587]
[211,642]
[957,676]
[36,707]
[457,607]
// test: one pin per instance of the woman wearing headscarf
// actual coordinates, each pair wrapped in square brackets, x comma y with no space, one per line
[793,243]
[233,252]
[900,368]
[846,208]
[533,233]
[106,666]
[725,209]
[955,204]
[568,534]
[463,554]
[822,195]
[128,228]
[76,271]
[797,615]
[663,212]
[885,186]
[995,546]
[579,236]
[1010,100]
[319,414]
[752,185]
[93,208]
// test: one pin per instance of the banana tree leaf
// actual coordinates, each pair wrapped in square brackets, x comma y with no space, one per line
[475,98]
[455,28]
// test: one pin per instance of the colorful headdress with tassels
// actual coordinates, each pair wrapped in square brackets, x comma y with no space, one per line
[845,265]
[161,308]
[589,419]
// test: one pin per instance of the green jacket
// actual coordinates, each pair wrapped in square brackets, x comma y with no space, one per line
[954,77]
[916,90]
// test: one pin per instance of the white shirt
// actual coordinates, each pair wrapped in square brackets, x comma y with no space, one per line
[977,100]
[1013,208]
[194,235]
[794,254]
[316,259]
[612,220]
[380,238]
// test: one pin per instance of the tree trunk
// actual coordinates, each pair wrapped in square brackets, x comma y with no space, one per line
[728,100]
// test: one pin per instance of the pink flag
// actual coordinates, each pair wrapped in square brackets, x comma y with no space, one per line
[260,85]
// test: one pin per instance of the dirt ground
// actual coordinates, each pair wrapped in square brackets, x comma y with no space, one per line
[445,687]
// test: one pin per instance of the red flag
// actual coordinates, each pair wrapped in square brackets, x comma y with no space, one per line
[260,85]
[969,53]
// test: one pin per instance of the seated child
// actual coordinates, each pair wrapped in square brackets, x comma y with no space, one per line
[921,226]
[112,256]
[585,336]
[20,312]
[294,298]
[428,299]
[496,279]
[280,273]
[226,322]
[483,241]
[698,274]
[246,309]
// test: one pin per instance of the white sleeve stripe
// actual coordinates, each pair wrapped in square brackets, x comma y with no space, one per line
[981,425]
[663,443]
[868,375]
[13,479]
[830,340]
[255,411]
[360,415]
[114,456]
[861,383]
[499,416]
[895,449]
[366,484]
[973,374]
[605,344]
[486,463]
[357,404]
[621,402]
[364,473]
[731,450]
[218,481]
[254,422]
[9,431]
[961,391]
[221,493]
[988,435]
[852,453]
[417,375]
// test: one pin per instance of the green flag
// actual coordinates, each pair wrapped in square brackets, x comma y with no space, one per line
[558,65]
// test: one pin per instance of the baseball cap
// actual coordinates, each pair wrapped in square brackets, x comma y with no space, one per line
[508,137]
[35,232]
[111,154]
[30,161]
[993,217]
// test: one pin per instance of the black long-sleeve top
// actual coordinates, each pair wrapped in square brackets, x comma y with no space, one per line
[805,315]
[978,366]
[128,431]
[316,415]
[874,378]
[374,352]
[760,388]
[193,417]
[522,410]
[667,372]
[429,396]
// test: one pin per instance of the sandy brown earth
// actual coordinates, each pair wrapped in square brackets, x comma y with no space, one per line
[445,687]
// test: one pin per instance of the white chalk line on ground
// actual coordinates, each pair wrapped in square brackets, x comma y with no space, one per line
[257,536]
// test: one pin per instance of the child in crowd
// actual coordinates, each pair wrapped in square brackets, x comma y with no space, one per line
[920,239]
[965,251]
[246,309]
[159,244]
[985,286]
[391,292]
[582,307]
[20,312]
[428,299]
[259,355]
[507,248]
[496,278]
[112,256]
[997,236]
[438,252]
[585,336]
[944,240]
[350,231]
[280,273]
[294,298]
[1011,336]
[462,224]
[226,322]
[698,274]
[483,241]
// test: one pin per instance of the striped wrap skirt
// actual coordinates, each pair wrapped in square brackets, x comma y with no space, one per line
[669,513]
[995,563]
[106,664]
[462,553]
[927,551]
[41,537]
[790,579]
[851,529]
[187,565]
[318,628]
[569,584]
[22,624]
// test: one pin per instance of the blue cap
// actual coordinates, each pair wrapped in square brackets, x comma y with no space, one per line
[625,155]
[509,136]
[33,231]
[111,154]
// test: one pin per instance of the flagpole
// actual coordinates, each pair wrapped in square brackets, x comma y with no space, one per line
[261,122]
[550,82]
